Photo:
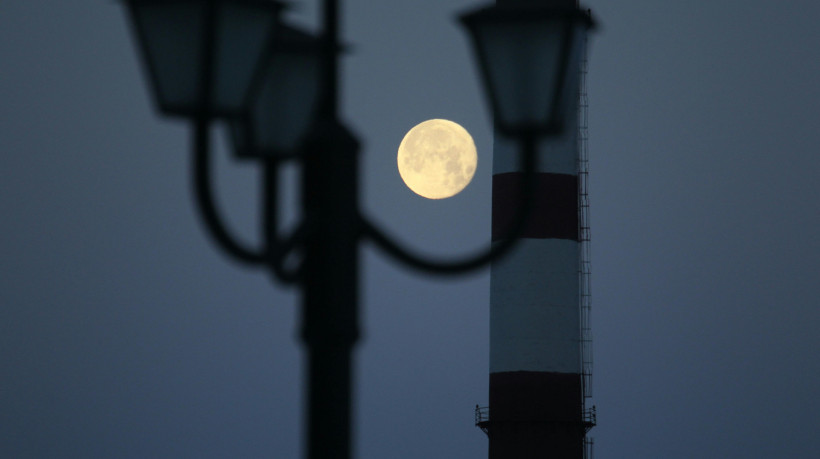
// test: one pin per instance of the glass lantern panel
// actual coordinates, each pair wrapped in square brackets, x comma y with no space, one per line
[522,60]
[239,137]
[243,35]
[171,34]
[286,103]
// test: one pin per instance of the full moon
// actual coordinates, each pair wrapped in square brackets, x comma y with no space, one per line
[437,159]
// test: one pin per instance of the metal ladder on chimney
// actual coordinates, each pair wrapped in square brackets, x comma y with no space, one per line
[584,272]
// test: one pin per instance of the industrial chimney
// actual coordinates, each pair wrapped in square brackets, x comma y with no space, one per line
[540,358]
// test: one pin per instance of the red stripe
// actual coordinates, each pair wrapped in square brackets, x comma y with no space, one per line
[555,209]
[535,415]
[535,396]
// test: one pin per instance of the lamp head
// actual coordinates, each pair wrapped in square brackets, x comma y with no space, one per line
[201,56]
[528,54]
[284,99]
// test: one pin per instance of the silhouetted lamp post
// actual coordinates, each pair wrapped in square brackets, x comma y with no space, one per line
[277,88]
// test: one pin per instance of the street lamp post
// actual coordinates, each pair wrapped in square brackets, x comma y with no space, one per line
[278,88]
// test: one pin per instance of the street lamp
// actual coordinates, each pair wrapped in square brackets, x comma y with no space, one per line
[277,87]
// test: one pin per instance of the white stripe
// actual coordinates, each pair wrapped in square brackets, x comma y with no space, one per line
[534,318]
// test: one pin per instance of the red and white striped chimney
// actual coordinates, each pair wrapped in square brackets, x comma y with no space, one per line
[536,383]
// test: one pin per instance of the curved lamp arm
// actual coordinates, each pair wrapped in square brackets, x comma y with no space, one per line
[494,252]
[205,200]
[280,252]
[277,249]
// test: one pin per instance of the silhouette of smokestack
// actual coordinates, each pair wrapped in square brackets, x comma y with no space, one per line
[536,372]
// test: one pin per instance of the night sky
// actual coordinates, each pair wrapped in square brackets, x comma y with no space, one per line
[125,333]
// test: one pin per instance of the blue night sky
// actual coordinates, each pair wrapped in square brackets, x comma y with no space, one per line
[125,333]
